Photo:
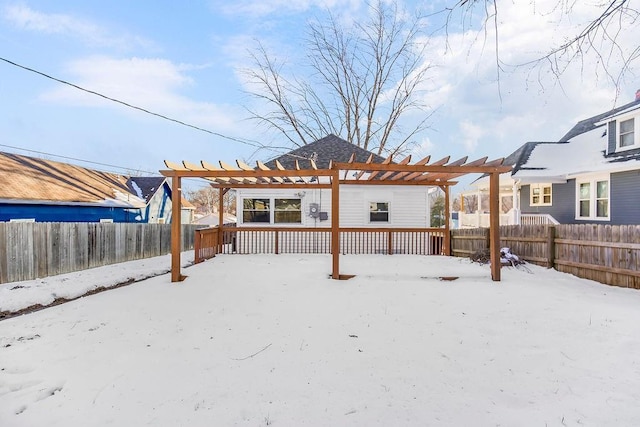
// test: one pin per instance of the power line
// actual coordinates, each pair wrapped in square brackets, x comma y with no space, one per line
[43,153]
[73,158]
[144,110]
[251,143]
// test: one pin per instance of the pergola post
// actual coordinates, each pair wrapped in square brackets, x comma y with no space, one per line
[221,219]
[335,225]
[494,224]
[446,250]
[176,228]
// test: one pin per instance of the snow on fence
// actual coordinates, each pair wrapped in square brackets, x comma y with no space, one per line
[608,254]
[40,249]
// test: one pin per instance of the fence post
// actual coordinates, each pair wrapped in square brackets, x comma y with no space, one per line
[277,243]
[487,238]
[389,243]
[197,243]
[551,246]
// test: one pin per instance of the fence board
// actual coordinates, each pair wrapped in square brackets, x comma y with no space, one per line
[32,250]
[605,253]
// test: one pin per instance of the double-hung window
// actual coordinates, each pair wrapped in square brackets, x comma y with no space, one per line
[626,133]
[277,211]
[593,199]
[379,212]
[287,211]
[256,210]
[540,194]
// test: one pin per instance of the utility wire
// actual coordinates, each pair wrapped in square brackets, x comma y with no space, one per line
[74,158]
[162,116]
[43,153]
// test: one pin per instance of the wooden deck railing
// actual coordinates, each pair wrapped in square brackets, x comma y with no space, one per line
[205,243]
[537,219]
[277,240]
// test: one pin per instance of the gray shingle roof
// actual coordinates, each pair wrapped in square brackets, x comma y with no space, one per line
[588,124]
[322,151]
[520,157]
[147,185]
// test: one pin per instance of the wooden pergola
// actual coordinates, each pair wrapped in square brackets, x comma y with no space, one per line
[441,173]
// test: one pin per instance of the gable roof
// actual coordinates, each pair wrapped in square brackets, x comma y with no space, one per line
[322,152]
[30,179]
[145,186]
[593,122]
[584,153]
[538,158]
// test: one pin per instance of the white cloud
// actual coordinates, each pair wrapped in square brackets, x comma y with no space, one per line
[423,148]
[28,19]
[493,113]
[152,84]
[470,134]
[258,8]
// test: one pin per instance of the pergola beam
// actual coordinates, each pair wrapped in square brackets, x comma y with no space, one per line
[245,174]
[423,168]
[271,185]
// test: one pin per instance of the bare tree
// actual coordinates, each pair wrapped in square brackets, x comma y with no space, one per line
[465,203]
[364,79]
[603,39]
[206,200]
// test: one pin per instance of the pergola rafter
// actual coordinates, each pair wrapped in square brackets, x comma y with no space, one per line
[440,173]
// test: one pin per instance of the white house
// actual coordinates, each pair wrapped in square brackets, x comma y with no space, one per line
[373,206]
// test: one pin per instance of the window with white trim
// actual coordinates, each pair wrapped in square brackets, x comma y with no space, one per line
[626,133]
[593,199]
[379,212]
[541,194]
[256,210]
[285,211]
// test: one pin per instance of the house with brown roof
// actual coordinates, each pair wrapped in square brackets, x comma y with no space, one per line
[34,189]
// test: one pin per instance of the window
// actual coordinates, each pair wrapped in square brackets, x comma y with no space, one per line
[256,210]
[585,200]
[379,212]
[287,211]
[540,194]
[602,199]
[593,199]
[626,133]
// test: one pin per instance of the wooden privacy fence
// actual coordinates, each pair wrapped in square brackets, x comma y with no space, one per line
[604,253]
[40,249]
[276,240]
[608,254]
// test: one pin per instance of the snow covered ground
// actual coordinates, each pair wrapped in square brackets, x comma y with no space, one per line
[16,296]
[270,340]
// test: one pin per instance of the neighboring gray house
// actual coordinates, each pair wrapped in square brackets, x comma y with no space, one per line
[592,175]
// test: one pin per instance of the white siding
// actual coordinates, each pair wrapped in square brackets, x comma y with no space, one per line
[408,206]
[154,208]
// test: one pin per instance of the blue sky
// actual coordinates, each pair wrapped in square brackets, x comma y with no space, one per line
[183,60]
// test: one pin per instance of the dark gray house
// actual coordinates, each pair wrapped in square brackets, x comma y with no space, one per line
[592,175]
